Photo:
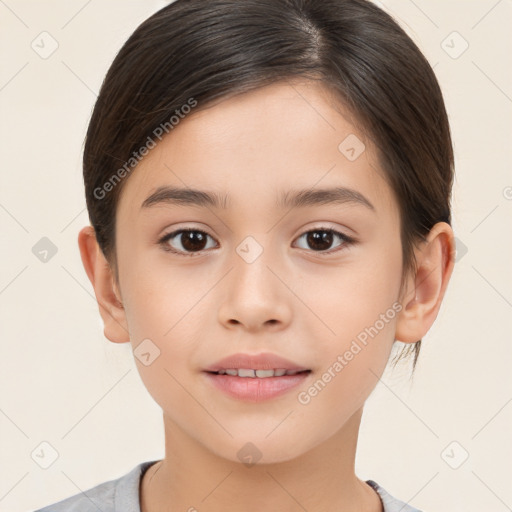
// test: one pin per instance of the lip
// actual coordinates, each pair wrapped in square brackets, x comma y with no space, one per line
[255,389]
[263,361]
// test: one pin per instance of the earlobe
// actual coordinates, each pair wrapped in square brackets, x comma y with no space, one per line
[100,274]
[425,290]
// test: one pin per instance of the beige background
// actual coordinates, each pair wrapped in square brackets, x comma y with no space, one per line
[64,384]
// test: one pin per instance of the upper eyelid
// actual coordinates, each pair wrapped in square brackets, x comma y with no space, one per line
[202,230]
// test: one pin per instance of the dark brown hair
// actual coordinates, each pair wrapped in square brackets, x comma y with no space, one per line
[209,50]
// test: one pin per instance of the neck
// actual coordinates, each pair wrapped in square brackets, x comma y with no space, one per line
[191,477]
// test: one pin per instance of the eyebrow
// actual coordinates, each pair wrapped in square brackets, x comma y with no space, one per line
[290,199]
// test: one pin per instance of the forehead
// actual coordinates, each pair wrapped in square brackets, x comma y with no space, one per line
[258,145]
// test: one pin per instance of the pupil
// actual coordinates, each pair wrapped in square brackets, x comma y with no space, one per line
[317,240]
[193,240]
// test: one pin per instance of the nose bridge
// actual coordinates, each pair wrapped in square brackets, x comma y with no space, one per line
[254,256]
[255,295]
[250,249]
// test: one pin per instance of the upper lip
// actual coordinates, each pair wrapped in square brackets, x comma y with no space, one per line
[264,361]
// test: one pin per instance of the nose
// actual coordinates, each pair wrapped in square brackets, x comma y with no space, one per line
[255,295]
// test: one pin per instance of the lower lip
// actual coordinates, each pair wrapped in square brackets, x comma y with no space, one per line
[255,389]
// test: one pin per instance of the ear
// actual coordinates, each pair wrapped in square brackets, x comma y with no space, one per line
[424,291]
[102,279]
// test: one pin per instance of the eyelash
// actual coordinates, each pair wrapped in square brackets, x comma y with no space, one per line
[347,241]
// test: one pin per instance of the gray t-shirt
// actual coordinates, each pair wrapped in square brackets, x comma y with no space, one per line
[122,495]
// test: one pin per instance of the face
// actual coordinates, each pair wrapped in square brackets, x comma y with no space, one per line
[260,274]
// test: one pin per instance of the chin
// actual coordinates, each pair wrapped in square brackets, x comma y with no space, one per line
[258,450]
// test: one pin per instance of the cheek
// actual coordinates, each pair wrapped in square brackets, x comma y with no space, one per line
[163,298]
[357,305]
[163,315]
[362,313]
[353,295]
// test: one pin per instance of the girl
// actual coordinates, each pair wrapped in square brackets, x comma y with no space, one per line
[268,184]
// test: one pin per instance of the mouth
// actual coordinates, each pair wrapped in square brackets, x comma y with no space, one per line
[256,377]
[249,385]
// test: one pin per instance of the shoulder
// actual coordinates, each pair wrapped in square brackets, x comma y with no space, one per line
[390,503]
[118,495]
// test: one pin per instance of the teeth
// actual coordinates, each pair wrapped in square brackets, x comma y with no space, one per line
[244,372]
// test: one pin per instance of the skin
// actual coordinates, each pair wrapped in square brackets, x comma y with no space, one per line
[302,304]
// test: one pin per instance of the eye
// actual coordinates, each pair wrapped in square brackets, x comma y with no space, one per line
[186,241]
[320,239]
